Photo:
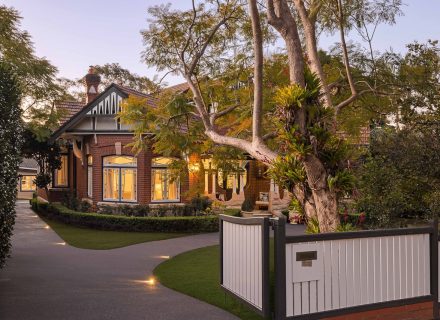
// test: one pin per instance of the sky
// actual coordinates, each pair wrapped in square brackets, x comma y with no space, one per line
[79,33]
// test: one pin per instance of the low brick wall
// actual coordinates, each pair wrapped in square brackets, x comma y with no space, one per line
[418,311]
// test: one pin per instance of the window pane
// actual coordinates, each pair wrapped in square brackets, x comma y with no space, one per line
[162,186]
[61,175]
[157,184]
[173,190]
[89,180]
[120,160]
[111,184]
[27,183]
[89,160]
[161,161]
[128,181]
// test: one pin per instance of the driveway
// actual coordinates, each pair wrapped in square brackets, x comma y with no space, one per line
[46,279]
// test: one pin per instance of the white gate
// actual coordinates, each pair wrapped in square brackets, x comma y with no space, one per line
[245,260]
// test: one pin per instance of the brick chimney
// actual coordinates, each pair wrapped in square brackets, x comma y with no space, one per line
[92,81]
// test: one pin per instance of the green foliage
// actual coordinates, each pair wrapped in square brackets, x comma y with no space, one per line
[98,221]
[401,177]
[46,154]
[312,226]
[11,129]
[346,227]
[36,76]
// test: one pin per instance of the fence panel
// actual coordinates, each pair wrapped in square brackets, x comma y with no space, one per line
[359,269]
[245,260]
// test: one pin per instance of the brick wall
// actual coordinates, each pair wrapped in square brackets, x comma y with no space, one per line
[419,311]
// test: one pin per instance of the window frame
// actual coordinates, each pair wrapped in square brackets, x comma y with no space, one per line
[165,168]
[54,174]
[89,176]
[119,168]
[32,183]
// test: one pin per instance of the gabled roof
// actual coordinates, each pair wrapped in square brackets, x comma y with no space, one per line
[77,111]
[28,163]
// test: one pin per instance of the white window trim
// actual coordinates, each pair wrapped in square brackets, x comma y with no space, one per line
[162,167]
[119,167]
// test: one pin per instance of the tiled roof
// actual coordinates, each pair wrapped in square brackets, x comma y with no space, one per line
[177,88]
[151,100]
[28,163]
[71,108]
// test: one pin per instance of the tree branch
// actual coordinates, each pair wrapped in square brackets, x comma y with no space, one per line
[257,115]
[216,115]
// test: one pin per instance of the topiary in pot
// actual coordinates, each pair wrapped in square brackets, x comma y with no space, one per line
[247,205]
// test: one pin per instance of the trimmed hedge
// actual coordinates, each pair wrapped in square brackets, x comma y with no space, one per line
[57,212]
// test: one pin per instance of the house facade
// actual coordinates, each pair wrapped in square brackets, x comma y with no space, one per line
[27,172]
[98,165]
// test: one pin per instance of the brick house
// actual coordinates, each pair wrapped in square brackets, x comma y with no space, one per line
[99,167]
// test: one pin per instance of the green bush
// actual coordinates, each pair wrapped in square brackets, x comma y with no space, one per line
[58,212]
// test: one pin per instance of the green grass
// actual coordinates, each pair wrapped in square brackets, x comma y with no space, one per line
[85,238]
[197,274]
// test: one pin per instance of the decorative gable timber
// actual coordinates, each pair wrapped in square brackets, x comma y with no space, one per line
[99,116]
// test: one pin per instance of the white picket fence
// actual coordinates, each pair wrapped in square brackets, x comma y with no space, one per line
[355,272]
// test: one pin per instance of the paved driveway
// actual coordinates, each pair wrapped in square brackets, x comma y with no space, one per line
[47,280]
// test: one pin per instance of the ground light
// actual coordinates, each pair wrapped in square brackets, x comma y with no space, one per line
[151,281]
[163,257]
[60,243]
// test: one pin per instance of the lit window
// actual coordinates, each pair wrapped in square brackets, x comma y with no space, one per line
[89,175]
[120,176]
[61,175]
[164,187]
[27,183]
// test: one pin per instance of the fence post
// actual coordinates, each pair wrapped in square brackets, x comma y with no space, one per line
[434,269]
[279,227]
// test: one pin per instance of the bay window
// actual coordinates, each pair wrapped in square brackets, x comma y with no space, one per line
[119,178]
[163,187]
[61,175]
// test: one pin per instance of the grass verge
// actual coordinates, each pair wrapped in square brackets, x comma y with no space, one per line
[197,274]
[85,238]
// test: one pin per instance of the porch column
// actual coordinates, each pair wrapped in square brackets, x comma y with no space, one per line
[206,182]
[234,184]
[241,183]
[214,184]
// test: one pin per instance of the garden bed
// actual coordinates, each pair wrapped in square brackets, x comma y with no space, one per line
[186,224]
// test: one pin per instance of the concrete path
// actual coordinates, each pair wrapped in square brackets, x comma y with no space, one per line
[47,280]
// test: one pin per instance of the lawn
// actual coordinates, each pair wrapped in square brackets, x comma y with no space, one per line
[85,238]
[197,274]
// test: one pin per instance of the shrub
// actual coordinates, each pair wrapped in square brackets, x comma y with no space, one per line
[10,142]
[58,212]
[247,205]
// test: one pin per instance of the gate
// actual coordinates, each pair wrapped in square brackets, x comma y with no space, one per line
[331,274]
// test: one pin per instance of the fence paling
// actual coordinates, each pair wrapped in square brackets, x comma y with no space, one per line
[245,260]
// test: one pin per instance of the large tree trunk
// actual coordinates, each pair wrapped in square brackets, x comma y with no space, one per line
[323,204]
[325,200]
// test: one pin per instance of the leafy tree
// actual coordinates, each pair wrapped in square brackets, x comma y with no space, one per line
[36,76]
[197,44]
[401,177]
[10,140]
[47,155]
